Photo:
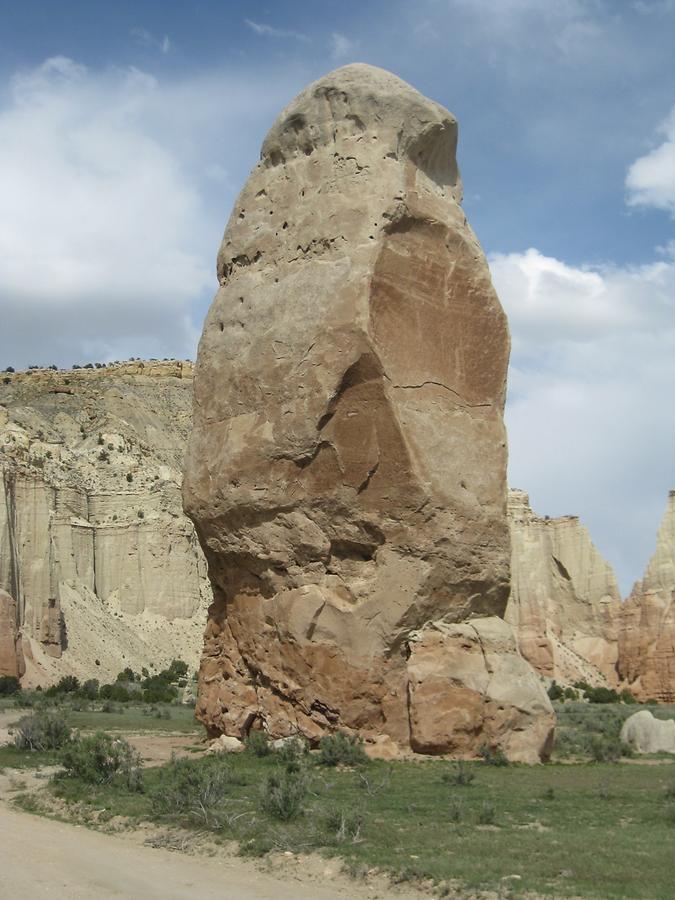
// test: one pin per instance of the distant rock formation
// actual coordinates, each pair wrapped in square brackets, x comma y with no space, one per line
[104,569]
[647,629]
[565,602]
[346,471]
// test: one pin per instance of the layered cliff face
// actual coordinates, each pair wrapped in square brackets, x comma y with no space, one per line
[647,628]
[565,602]
[103,567]
[346,471]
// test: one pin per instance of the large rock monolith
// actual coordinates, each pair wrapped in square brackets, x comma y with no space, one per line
[346,471]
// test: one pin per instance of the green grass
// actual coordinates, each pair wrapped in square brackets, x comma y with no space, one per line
[13,758]
[591,830]
[133,718]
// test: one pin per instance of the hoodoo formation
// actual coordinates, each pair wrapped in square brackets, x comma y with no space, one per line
[346,469]
[647,627]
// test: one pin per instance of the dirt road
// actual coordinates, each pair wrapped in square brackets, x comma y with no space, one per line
[41,858]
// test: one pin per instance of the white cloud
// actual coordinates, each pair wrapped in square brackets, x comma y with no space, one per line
[589,412]
[265,30]
[143,37]
[651,179]
[341,46]
[115,190]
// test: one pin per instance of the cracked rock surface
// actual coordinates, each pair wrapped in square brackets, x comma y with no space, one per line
[347,468]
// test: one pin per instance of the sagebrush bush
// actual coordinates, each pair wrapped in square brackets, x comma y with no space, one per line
[487,814]
[292,752]
[341,749]
[493,756]
[257,743]
[460,775]
[283,794]
[42,731]
[100,758]
[345,824]
[194,789]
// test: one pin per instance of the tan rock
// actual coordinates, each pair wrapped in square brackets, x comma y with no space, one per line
[11,651]
[106,569]
[647,628]
[647,734]
[346,470]
[468,679]
[564,604]
[225,744]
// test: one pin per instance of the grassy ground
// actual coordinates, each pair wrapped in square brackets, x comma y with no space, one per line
[578,829]
[125,717]
[591,830]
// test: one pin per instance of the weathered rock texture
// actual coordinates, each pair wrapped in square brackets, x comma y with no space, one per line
[94,548]
[11,651]
[647,734]
[346,471]
[565,602]
[647,631]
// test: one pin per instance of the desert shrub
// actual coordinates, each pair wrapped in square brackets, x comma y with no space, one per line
[555,692]
[9,685]
[127,675]
[257,743]
[670,814]
[341,749]
[493,756]
[89,689]
[602,695]
[670,791]
[607,749]
[460,775]
[110,707]
[487,813]
[456,811]
[570,694]
[283,794]
[100,758]
[42,731]
[292,752]
[161,693]
[345,824]
[66,685]
[627,697]
[116,692]
[195,790]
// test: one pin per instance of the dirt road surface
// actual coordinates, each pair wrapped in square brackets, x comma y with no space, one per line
[41,858]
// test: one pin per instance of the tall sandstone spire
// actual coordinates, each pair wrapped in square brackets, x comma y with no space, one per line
[647,627]
[347,468]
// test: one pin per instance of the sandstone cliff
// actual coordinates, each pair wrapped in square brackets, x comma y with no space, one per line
[565,602]
[647,628]
[346,471]
[104,569]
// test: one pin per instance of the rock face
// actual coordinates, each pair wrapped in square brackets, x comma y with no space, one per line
[565,602]
[105,570]
[11,651]
[647,628]
[646,734]
[346,470]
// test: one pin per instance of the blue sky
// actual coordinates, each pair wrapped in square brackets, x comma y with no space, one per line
[126,130]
